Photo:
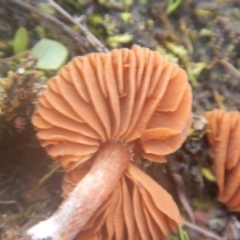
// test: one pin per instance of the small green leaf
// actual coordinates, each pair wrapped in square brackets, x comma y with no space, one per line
[182,234]
[208,174]
[20,41]
[172,5]
[51,54]
[116,40]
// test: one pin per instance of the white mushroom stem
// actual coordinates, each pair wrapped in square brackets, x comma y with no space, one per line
[109,164]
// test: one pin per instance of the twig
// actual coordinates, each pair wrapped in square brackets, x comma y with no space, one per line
[202,231]
[15,203]
[89,36]
[181,190]
[19,55]
[182,195]
[212,64]
[217,99]
[81,40]
[228,65]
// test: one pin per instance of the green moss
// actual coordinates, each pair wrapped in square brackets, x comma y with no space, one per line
[177,50]
[95,23]
[194,70]
[116,40]
[169,56]
[47,9]
[40,30]
[150,23]
[126,16]
[116,4]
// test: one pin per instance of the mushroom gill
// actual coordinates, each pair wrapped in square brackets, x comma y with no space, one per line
[101,113]
[137,207]
[224,139]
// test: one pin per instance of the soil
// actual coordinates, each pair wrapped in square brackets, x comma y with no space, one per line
[207,30]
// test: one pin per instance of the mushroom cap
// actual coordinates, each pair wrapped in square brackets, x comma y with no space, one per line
[139,208]
[224,139]
[128,95]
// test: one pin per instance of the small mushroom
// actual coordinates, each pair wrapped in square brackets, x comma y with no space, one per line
[97,117]
[224,139]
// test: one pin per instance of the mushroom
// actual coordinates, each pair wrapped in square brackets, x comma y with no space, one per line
[224,139]
[97,117]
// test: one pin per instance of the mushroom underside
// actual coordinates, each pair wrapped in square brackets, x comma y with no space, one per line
[138,208]
[223,135]
[134,98]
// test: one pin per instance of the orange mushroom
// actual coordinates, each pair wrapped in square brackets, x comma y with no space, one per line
[224,139]
[97,116]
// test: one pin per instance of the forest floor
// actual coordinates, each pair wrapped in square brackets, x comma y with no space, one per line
[201,36]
